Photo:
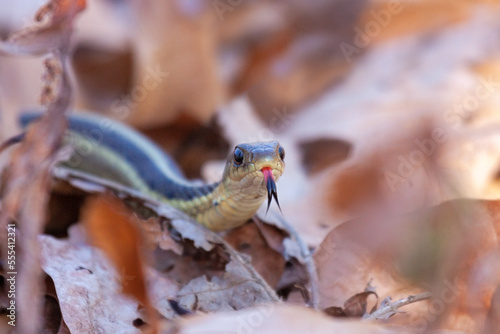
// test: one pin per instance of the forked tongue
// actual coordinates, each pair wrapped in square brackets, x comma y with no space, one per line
[271,187]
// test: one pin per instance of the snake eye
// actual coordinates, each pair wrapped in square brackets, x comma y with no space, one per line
[238,156]
[281,151]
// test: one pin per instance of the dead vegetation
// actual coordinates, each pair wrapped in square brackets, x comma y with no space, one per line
[388,111]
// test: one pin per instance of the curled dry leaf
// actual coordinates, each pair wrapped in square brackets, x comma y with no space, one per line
[58,11]
[355,306]
[50,30]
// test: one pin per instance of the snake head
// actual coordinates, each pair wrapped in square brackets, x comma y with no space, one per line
[254,168]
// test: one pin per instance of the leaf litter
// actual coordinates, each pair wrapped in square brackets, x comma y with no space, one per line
[391,178]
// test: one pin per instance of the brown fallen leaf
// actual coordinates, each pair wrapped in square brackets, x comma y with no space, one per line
[86,283]
[248,240]
[322,153]
[451,250]
[311,58]
[344,268]
[190,143]
[414,17]
[114,229]
[51,29]
[418,250]
[355,306]
[492,322]
[58,11]
[176,65]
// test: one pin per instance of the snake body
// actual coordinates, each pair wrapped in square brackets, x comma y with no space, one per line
[111,150]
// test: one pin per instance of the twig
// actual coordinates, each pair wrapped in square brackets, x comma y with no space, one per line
[308,261]
[389,310]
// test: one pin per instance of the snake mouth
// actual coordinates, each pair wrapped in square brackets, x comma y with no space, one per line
[272,190]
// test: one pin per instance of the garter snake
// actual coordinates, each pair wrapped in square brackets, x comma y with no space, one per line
[109,149]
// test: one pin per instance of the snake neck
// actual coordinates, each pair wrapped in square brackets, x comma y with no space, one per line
[223,208]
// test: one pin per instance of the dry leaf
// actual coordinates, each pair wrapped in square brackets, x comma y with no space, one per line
[157,237]
[270,319]
[50,31]
[409,121]
[248,240]
[58,11]
[235,290]
[172,76]
[411,251]
[355,306]
[86,282]
[114,229]
[493,320]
